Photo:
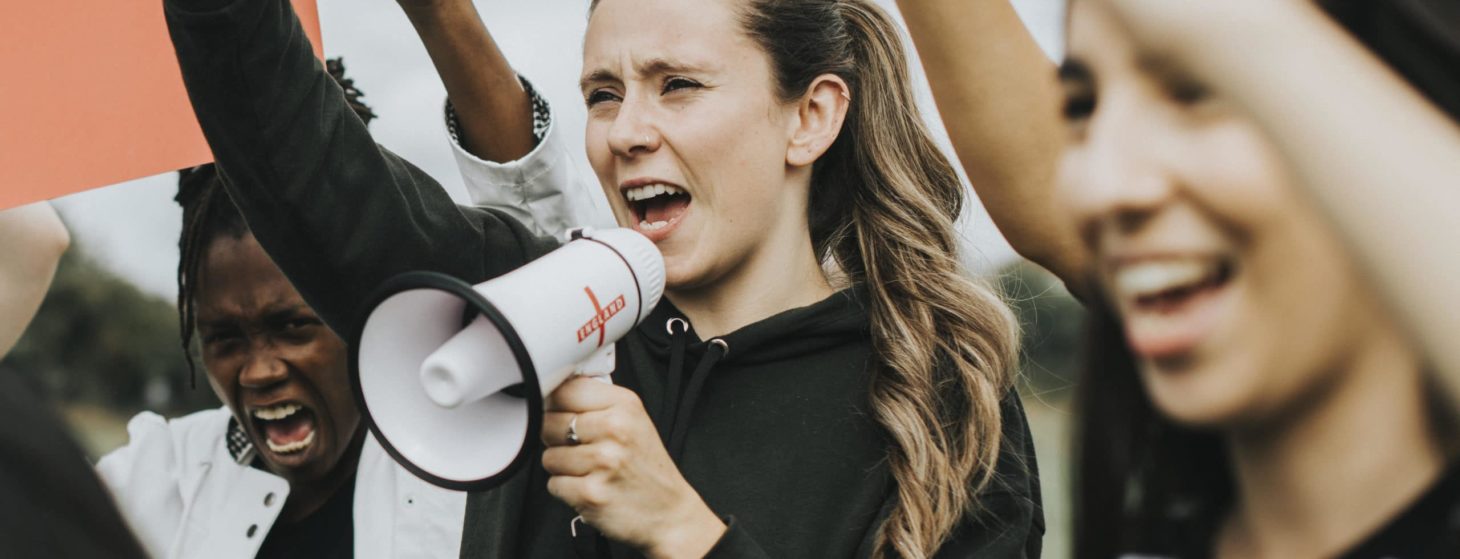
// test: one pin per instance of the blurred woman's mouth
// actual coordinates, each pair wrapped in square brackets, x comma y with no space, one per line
[288,429]
[1170,305]
[657,207]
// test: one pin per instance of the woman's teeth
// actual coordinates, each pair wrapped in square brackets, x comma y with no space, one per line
[1153,278]
[275,413]
[645,225]
[284,428]
[639,193]
[288,448]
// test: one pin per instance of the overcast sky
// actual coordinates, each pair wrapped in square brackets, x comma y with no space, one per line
[132,227]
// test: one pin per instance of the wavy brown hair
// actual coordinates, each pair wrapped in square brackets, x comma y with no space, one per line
[884,200]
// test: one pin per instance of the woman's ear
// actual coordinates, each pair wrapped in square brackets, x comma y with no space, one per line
[820,114]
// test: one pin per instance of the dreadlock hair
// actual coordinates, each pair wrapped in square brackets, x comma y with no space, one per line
[209,213]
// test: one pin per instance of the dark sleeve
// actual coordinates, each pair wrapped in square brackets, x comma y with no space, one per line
[736,543]
[337,213]
[1010,518]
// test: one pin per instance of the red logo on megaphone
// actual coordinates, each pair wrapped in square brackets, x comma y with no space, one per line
[600,317]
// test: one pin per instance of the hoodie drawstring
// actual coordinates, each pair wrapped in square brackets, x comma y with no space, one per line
[678,339]
[714,352]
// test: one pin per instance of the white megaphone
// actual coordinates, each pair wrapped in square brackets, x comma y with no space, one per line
[450,377]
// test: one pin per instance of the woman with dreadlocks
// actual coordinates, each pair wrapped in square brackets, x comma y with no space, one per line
[286,468]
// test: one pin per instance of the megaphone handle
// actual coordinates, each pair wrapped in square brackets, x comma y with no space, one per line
[599,365]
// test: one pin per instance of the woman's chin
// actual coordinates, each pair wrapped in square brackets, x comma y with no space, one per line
[1202,393]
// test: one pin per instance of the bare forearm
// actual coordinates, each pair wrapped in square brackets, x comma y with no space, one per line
[998,97]
[1378,158]
[494,110]
[32,239]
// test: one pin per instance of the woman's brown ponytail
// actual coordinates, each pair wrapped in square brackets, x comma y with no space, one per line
[883,204]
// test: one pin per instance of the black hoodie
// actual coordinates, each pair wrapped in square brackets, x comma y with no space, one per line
[774,434]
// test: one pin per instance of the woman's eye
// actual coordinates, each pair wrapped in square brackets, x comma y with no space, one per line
[1187,92]
[1078,107]
[676,83]
[219,338]
[600,96]
[298,323]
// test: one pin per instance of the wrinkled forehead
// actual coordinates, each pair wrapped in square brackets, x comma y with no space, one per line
[627,34]
[237,278]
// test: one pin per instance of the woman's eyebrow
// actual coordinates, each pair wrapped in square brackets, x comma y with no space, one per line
[599,76]
[663,66]
[1074,69]
[648,68]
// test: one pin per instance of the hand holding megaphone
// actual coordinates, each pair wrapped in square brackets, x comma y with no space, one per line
[618,475]
[451,377]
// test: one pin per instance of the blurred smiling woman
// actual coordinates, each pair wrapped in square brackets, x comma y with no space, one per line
[1256,391]
[1253,391]
[762,409]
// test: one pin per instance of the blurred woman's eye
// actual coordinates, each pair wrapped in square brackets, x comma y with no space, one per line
[1187,92]
[1078,106]
[676,83]
[598,96]
[1079,91]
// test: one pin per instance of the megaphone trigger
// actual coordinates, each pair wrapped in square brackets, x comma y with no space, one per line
[599,366]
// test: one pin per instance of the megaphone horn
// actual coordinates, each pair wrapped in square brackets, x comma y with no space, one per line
[451,377]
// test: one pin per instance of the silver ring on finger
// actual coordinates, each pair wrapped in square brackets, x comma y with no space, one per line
[573,431]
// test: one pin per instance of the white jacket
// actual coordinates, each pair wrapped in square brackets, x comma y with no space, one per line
[185,496]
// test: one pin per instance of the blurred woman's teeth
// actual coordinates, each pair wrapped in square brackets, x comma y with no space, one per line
[288,448]
[275,413]
[1154,277]
[646,226]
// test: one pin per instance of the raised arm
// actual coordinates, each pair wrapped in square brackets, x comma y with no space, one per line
[999,99]
[494,109]
[338,213]
[32,239]
[511,155]
[1377,157]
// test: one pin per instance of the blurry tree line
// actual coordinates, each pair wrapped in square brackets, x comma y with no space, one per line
[99,340]
[1054,330]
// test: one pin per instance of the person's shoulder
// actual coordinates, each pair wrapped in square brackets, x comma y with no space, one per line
[187,438]
[209,424]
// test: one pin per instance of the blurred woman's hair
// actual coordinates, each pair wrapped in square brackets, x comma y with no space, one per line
[1144,484]
[209,213]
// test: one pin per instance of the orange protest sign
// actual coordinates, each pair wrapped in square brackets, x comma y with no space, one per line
[91,95]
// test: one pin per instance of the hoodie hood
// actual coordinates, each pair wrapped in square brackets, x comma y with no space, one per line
[831,322]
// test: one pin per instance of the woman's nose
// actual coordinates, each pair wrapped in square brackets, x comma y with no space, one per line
[632,132]
[1116,175]
[263,368]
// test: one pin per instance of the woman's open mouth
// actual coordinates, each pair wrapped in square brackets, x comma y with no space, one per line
[657,208]
[1170,305]
[287,428]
